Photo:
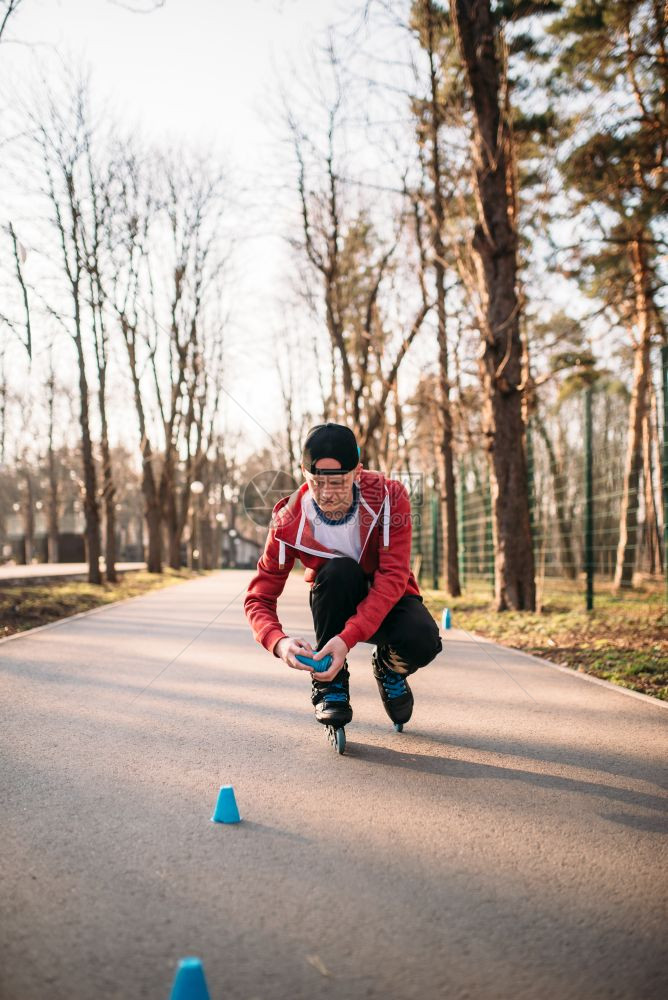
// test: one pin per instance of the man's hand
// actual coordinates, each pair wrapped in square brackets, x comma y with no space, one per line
[286,649]
[338,650]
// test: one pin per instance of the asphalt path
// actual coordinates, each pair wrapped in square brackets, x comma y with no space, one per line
[509,844]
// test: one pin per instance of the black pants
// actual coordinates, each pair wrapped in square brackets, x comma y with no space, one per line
[407,638]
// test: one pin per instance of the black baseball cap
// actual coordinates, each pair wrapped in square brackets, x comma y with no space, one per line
[330,441]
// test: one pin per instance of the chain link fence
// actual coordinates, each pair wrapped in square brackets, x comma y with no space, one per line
[576,488]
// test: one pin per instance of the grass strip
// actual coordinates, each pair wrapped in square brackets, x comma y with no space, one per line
[624,640]
[29,605]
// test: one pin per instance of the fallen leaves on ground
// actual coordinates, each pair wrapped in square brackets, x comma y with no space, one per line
[623,640]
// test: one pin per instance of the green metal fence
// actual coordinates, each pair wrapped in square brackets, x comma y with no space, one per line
[575,511]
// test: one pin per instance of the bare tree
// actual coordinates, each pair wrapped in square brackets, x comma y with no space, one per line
[167,292]
[7,9]
[53,497]
[189,402]
[134,210]
[638,411]
[4,396]
[93,237]
[356,271]
[430,22]
[19,254]
[61,135]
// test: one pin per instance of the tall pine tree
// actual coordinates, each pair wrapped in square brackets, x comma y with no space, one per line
[478,29]
[613,69]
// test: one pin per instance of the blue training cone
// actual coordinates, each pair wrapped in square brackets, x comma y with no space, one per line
[447,618]
[189,982]
[226,810]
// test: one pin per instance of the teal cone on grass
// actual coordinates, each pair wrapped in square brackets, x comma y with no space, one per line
[189,982]
[447,618]
[226,810]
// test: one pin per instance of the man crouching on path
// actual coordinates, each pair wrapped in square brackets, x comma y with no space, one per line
[351,529]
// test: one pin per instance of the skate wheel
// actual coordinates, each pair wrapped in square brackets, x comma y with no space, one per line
[398,727]
[340,738]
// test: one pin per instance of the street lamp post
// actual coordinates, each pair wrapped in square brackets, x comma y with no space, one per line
[196,488]
[232,534]
[219,544]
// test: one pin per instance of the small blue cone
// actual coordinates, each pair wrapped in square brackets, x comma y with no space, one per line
[447,618]
[226,810]
[189,982]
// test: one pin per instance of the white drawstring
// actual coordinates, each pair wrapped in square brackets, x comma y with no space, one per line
[385,509]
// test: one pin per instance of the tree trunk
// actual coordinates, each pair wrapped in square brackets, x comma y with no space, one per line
[170,512]
[559,484]
[495,247]
[3,406]
[656,464]
[91,505]
[28,519]
[52,472]
[108,488]
[174,546]
[109,491]
[52,511]
[628,515]
[446,470]
[154,527]
[152,506]
[207,535]
[652,542]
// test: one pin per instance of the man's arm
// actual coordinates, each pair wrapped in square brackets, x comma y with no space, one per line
[391,577]
[263,592]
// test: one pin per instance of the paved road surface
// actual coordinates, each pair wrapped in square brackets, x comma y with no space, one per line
[510,844]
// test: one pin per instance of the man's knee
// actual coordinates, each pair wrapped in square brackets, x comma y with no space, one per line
[420,648]
[340,572]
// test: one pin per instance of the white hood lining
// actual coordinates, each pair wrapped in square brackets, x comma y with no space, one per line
[384,510]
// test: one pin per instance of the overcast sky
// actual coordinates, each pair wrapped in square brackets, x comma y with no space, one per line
[191,69]
[207,73]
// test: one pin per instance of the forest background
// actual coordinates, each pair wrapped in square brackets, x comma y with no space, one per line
[442,224]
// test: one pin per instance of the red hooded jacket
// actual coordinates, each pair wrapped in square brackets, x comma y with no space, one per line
[385,534]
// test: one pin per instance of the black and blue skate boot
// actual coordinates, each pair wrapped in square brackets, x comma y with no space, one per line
[332,700]
[394,690]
